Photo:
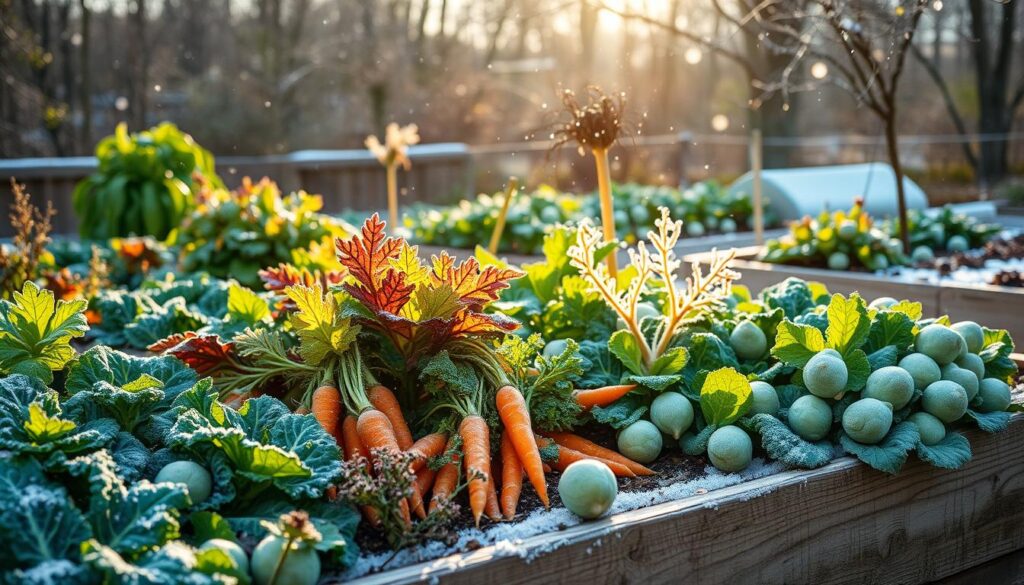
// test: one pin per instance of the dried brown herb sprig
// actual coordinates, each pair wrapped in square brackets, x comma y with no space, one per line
[20,262]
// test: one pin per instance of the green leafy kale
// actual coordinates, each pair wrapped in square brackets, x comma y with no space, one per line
[36,332]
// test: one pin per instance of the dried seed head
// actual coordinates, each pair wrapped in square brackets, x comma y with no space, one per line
[594,125]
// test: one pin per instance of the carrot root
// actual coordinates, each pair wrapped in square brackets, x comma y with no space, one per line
[601,396]
[515,415]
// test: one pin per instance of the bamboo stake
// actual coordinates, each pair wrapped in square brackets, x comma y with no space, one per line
[499,227]
[604,188]
[756,164]
[393,195]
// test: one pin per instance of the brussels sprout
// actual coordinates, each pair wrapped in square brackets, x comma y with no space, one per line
[694,229]
[672,413]
[922,254]
[550,215]
[727,225]
[232,549]
[995,395]
[966,379]
[880,262]
[867,420]
[588,488]
[940,343]
[973,335]
[972,363]
[765,398]
[621,217]
[810,417]
[946,400]
[882,303]
[555,347]
[640,441]
[748,341]
[848,230]
[195,477]
[938,234]
[640,214]
[730,449]
[825,375]
[957,244]
[301,566]
[890,384]
[838,261]
[922,368]
[932,430]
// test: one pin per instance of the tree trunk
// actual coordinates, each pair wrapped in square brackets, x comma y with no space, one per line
[85,79]
[892,143]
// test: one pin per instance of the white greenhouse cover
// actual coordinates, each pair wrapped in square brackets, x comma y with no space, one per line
[794,193]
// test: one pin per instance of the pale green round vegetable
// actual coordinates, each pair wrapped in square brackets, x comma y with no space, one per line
[765,399]
[672,413]
[890,384]
[957,243]
[922,254]
[640,441]
[588,488]
[867,420]
[695,229]
[555,348]
[940,343]
[810,417]
[644,310]
[964,378]
[232,549]
[995,395]
[972,333]
[931,429]
[748,341]
[730,449]
[882,303]
[727,225]
[301,566]
[838,261]
[972,363]
[825,375]
[550,215]
[946,400]
[847,230]
[880,262]
[938,233]
[922,368]
[195,477]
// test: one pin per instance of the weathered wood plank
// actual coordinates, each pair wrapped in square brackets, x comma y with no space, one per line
[844,523]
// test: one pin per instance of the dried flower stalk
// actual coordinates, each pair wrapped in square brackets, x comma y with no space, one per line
[393,152]
[20,262]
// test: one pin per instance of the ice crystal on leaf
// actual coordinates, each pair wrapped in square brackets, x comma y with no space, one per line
[654,275]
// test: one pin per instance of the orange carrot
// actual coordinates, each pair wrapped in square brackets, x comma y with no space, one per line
[384,400]
[429,446]
[375,432]
[515,415]
[353,450]
[511,478]
[445,480]
[425,479]
[578,443]
[415,501]
[326,408]
[567,457]
[492,508]
[601,396]
[476,449]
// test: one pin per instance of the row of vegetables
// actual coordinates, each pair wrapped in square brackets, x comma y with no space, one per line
[380,394]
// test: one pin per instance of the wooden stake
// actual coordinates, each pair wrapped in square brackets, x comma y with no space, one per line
[393,195]
[604,188]
[755,167]
[499,227]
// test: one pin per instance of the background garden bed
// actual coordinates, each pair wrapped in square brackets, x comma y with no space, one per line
[839,524]
[992,305]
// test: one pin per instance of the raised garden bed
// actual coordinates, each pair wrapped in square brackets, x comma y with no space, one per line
[842,523]
[981,303]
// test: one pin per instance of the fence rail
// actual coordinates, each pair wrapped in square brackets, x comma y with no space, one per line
[445,172]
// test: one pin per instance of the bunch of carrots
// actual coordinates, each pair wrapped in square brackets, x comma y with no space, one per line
[426,309]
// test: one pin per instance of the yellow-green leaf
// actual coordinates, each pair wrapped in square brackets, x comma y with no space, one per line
[848,323]
[725,396]
[322,331]
[43,428]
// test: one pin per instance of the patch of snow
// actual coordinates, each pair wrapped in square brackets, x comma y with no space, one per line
[508,538]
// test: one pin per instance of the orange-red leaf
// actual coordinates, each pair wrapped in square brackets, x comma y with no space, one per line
[206,354]
[472,285]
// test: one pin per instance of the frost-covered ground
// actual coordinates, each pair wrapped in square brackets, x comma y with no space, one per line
[962,275]
[508,537]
